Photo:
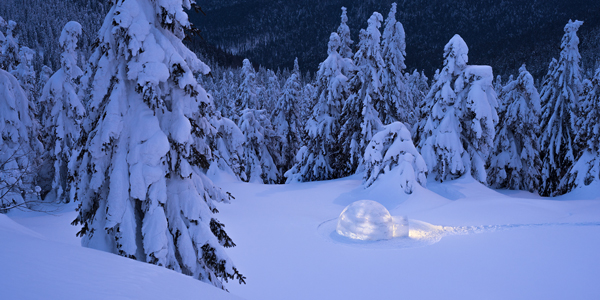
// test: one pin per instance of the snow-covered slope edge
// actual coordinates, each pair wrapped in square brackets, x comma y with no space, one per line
[32,267]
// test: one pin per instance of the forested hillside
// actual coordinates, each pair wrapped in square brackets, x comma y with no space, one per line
[503,34]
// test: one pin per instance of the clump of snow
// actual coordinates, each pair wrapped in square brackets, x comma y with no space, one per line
[366,220]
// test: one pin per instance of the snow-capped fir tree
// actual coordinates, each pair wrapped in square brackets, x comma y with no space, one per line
[286,120]
[587,168]
[247,92]
[43,77]
[346,41]
[140,175]
[20,149]
[360,121]
[515,161]
[397,103]
[272,91]
[258,163]
[227,147]
[226,94]
[25,73]
[392,151]
[306,104]
[315,161]
[9,58]
[61,115]
[418,87]
[560,100]
[457,135]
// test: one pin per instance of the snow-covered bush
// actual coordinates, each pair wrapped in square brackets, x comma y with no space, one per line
[140,176]
[61,115]
[20,148]
[392,150]
[560,100]
[457,135]
[515,161]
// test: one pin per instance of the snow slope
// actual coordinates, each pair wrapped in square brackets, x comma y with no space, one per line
[466,242]
[534,249]
[51,265]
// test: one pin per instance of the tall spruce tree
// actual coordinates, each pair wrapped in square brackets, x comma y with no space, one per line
[397,103]
[458,132]
[140,175]
[587,168]
[560,100]
[286,120]
[360,121]
[515,161]
[315,161]
[62,114]
[247,91]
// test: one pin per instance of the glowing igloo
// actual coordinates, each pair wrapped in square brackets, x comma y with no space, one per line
[369,220]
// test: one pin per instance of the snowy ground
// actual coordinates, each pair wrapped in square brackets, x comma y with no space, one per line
[466,242]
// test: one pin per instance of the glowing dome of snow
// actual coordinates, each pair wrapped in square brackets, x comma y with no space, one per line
[366,220]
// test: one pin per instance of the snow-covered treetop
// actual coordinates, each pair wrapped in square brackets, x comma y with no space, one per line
[570,49]
[344,33]
[373,25]
[69,36]
[68,42]
[394,39]
[3,23]
[296,68]
[456,55]
[334,43]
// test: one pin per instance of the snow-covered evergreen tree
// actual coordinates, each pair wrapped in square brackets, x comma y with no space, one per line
[306,104]
[259,164]
[419,87]
[397,103]
[272,91]
[360,120]
[24,72]
[392,150]
[61,115]
[315,161]
[247,91]
[20,149]
[560,100]
[346,41]
[457,135]
[515,161]
[9,58]
[286,120]
[140,175]
[587,168]
[226,94]
[227,147]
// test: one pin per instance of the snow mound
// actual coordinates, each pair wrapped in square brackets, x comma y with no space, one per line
[368,220]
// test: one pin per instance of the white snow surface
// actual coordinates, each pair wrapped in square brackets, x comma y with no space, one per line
[465,242]
[42,259]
